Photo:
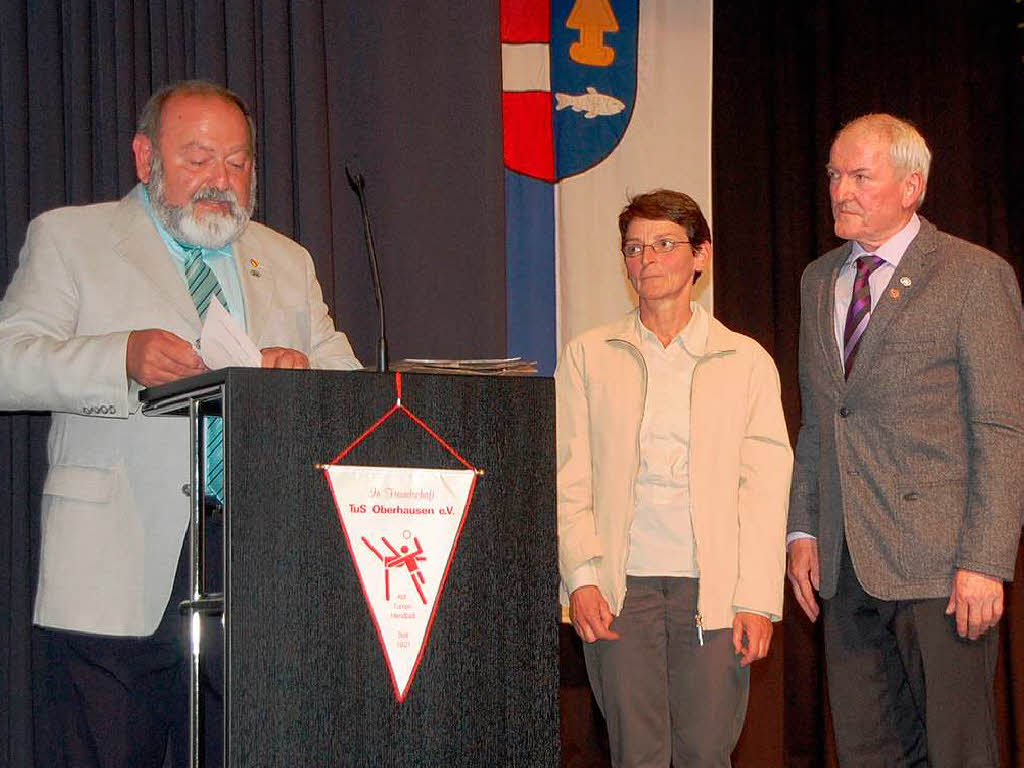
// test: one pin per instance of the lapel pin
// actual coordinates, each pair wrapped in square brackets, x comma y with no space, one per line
[255,271]
[894,292]
[905,282]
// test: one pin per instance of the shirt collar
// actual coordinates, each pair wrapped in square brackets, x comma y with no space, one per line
[693,338]
[891,250]
[183,252]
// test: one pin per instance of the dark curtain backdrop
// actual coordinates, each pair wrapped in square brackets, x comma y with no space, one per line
[409,93]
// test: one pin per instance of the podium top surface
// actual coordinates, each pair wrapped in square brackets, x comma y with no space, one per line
[173,398]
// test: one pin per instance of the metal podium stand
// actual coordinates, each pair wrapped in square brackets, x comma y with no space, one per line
[196,405]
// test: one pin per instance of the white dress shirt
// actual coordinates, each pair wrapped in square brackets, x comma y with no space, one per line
[661,539]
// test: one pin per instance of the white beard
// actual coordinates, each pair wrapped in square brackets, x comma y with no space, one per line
[211,230]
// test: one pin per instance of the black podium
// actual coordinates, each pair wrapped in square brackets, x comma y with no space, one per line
[306,682]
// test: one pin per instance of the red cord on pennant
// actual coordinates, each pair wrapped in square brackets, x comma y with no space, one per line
[437,437]
[398,406]
[347,449]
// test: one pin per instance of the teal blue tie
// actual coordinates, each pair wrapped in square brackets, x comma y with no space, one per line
[202,283]
[203,286]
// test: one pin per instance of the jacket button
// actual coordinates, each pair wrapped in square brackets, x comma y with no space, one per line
[911,496]
[844,411]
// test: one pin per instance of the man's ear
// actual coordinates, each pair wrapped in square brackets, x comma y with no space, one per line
[142,148]
[913,188]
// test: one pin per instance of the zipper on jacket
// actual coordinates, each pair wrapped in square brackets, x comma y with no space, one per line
[689,490]
[643,410]
[689,493]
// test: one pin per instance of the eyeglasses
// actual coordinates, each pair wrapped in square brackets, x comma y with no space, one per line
[634,249]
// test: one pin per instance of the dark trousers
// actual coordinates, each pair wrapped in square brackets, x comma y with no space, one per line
[664,696]
[113,702]
[904,688]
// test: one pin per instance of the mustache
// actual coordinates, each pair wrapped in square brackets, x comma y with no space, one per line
[215,195]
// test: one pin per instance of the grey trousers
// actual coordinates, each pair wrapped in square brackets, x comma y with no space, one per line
[904,689]
[665,697]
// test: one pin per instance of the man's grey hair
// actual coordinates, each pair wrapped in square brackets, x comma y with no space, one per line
[149,118]
[907,148]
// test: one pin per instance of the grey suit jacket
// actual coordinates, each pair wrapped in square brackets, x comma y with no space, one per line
[113,514]
[917,457]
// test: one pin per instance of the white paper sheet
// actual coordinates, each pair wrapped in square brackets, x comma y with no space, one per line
[223,343]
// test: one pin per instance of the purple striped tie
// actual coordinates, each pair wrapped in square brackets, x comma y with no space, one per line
[860,308]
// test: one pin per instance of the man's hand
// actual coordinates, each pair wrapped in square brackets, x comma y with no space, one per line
[157,357]
[758,630]
[282,357]
[977,601]
[804,574]
[590,614]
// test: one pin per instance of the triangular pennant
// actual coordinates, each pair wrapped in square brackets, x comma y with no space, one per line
[401,525]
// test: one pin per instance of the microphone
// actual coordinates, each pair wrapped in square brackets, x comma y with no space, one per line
[358,184]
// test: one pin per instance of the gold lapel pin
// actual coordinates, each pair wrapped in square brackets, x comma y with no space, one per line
[894,292]
[905,282]
[255,271]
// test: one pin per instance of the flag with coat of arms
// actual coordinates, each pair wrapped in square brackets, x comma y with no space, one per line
[601,100]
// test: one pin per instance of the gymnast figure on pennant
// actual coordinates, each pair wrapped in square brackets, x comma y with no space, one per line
[400,558]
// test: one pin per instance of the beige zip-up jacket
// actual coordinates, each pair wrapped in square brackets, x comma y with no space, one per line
[740,467]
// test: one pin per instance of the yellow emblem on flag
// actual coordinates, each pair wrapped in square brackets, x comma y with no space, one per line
[592,18]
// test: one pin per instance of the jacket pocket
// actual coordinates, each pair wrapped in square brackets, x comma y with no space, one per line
[930,516]
[91,484]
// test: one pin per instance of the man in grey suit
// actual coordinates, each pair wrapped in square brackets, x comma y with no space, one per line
[905,510]
[106,300]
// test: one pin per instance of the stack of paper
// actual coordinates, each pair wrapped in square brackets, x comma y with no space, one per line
[505,366]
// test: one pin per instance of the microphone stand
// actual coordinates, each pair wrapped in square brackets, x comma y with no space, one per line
[358,184]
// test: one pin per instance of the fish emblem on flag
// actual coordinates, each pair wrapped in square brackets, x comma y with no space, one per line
[592,103]
[568,82]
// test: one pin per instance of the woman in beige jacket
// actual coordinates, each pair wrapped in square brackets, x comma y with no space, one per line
[729,527]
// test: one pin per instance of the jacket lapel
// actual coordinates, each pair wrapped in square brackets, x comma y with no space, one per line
[137,242]
[826,312]
[913,269]
[256,278]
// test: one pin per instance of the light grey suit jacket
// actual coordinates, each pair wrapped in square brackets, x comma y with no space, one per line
[113,514]
[917,457]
